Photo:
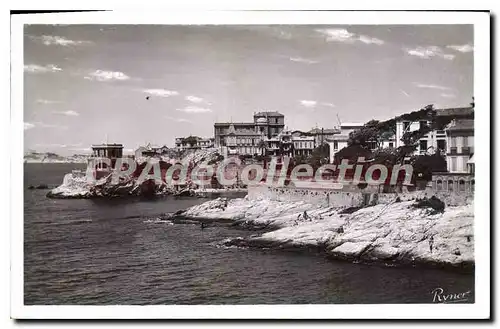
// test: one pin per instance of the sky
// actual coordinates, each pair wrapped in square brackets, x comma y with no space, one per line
[88,84]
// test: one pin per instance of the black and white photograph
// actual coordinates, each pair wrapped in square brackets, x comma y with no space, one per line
[311,159]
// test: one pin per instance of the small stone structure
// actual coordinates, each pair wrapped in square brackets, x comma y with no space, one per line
[453,182]
[339,198]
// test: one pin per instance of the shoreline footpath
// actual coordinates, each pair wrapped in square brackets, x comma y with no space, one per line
[396,233]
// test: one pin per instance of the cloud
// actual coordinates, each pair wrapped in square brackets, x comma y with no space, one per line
[303,60]
[34,68]
[309,104]
[429,52]
[448,95]
[51,145]
[101,75]
[28,125]
[161,92]
[342,35]
[47,101]
[462,48]
[194,109]
[438,87]
[404,93]
[368,40]
[68,113]
[195,99]
[49,40]
[328,104]
[177,119]
[48,125]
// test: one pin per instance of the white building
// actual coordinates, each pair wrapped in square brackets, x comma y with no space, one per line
[435,140]
[339,141]
[303,145]
[460,150]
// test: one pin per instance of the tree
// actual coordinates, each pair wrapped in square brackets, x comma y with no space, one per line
[368,133]
[352,153]
[319,156]
[425,165]
[298,160]
[361,141]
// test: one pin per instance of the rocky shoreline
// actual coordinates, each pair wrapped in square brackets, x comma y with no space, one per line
[398,234]
[77,187]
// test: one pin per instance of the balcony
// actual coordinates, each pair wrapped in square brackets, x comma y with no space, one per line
[466,150]
[453,150]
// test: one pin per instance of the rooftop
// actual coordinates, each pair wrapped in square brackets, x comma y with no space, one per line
[106,145]
[269,113]
[340,138]
[223,124]
[461,124]
[456,111]
[324,131]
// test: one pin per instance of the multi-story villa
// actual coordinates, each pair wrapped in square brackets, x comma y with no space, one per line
[291,144]
[151,151]
[193,142]
[460,150]
[324,135]
[244,138]
[459,158]
[303,145]
[435,140]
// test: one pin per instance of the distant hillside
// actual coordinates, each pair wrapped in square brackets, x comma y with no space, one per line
[49,157]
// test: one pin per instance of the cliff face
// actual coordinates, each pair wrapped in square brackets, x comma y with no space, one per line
[397,232]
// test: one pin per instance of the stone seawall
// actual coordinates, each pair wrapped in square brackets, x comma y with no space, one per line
[333,198]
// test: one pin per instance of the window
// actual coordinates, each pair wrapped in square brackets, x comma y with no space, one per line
[466,141]
[406,125]
[391,144]
[464,163]
[453,146]
[461,185]
[439,185]
[423,124]
[423,145]
[454,164]
[335,145]
[441,144]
